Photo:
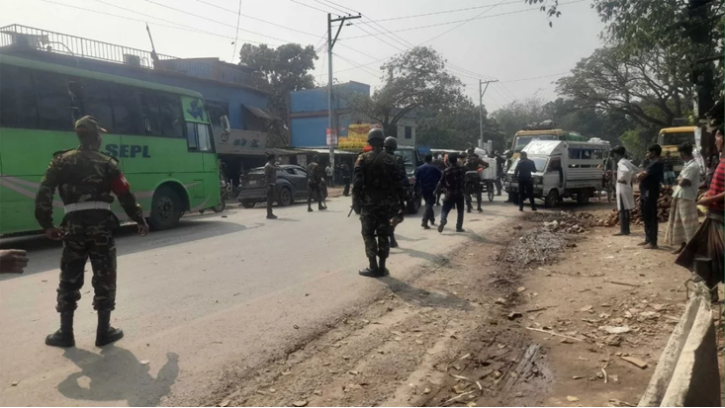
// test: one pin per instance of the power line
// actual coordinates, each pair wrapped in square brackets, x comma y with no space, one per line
[236,32]
[213,21]
[308,6]
[340,5]
[464,21]
[367,70]
[532,78]
[256,18]
[334,8]
[444,12]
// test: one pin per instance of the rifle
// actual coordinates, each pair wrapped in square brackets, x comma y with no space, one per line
[348,214]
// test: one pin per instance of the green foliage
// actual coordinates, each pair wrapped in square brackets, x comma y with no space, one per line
[517,114]
[605,125]
[280,71]
[636,142]
[457,128]
[414,80]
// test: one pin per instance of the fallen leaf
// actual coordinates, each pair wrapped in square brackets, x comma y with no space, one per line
[586,308]
[576,377]
[225,403]
[426,391]
[521,289]
[500,301]
[300,403]
[15,383]
[144,362]
[571,399]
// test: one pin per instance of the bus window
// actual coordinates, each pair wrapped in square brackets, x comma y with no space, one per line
[97,102]
[127,118]
[172,119]
[191,138]
[204,134]
[51,95]
[151,114]
[17,104]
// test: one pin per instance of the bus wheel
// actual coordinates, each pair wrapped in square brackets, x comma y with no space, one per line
[165,209]
[220,207]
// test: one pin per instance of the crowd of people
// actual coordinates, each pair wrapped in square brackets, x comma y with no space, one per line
[698,246]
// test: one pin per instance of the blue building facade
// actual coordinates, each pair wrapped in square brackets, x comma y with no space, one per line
[309,114]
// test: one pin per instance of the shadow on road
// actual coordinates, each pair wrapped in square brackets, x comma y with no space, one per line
[404,238]
[424,298]
[117,375]
[42,259]
[420,254]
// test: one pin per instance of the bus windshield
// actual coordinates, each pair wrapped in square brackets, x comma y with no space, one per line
[676,138]
[522,141]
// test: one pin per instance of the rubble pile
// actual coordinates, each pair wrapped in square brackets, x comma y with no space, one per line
[539,245]
[663,210]
[566,222]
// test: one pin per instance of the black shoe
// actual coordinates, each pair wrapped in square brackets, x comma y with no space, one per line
[393,243]
[470,210]
[271,217]
[534,210]
[442,225]
[321,208]
[105,334]
[309,209]
[64,336]
[432,222]
[425,226]
[371,273]
[460,230]
[620,234]
[480,209]
[521,209]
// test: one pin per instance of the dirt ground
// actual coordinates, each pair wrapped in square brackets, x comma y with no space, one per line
[559,315]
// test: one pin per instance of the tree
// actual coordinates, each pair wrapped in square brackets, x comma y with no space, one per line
[457,128]
[590,122]
[280,71]
[517,114]
[414,80]
[616,81]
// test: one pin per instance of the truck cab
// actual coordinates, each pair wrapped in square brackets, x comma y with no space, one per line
[563,170]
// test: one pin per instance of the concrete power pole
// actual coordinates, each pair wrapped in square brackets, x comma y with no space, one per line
[481,92]
[332,127]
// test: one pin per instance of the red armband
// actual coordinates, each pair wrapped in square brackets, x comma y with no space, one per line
[120,185]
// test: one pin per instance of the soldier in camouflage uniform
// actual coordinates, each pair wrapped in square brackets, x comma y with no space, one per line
[377,188]
[315,176]
[85,179]
[473,180]
[391,145]
[270,183]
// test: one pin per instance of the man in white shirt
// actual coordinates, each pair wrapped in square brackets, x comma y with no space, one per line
[625,197]
[328,175]
[683,222]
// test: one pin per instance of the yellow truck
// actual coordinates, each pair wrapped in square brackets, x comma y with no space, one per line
[670,138]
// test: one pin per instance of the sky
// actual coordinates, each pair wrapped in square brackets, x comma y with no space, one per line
[507,40]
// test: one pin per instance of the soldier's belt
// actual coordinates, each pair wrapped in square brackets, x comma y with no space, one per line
[88,205]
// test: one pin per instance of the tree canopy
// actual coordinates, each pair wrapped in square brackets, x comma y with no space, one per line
[413,80]
[280,71]
[457,128]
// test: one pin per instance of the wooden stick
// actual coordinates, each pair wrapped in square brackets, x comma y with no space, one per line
[539,309]
[554,334]
[623,284]
[459,396]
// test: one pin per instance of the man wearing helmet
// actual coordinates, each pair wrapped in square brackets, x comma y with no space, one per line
[391,145]
[473,180]
[377,190]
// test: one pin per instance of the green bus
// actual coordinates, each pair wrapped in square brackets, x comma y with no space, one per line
[161,136]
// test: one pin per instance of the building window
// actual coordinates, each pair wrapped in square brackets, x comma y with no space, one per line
[408,132]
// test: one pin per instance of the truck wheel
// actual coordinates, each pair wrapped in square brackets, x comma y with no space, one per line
[165,209]
[248,203]
[552,199]
[582,198]
[220,207]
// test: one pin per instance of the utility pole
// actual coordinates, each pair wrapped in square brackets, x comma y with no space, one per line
[331,43]
[481,92]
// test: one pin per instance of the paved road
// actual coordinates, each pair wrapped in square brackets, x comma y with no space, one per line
[212,294]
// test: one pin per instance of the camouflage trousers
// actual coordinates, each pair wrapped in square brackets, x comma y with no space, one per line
[376,230]
[81,243]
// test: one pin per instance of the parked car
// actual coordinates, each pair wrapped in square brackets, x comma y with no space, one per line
[291,186]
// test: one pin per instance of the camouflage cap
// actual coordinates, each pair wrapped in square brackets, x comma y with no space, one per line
[88,122]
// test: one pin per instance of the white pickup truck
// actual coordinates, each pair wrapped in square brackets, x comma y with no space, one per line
[563,169]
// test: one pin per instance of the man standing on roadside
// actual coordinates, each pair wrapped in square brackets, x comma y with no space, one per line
[270,182]
[315,176]
[427,177]
[345,170]
[683,221]
[85,179]
[329,175]
[523,174]
[649,186]
[625,198]
[453,183]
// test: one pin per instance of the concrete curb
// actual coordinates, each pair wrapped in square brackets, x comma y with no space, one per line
[687,372]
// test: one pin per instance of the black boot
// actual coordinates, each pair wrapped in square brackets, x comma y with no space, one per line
[393,241]
[480,209]
[383,270]
[373,271]
[64,336]
[105,334]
